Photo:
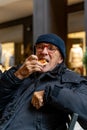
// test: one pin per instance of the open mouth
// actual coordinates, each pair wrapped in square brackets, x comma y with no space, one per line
[43,61]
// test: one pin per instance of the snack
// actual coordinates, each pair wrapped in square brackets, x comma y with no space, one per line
[43,61]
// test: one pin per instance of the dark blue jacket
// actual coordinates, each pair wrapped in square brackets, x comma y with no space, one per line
[65,93]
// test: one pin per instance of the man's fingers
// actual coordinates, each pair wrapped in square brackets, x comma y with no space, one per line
[32,57]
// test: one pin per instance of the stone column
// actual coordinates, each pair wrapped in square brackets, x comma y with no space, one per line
[49,16]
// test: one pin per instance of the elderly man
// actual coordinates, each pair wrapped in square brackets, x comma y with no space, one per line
[40,93]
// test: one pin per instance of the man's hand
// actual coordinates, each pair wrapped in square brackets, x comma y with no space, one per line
[30,65]
[37,99]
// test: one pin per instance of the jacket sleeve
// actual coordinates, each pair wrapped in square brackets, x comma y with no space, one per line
[69,100]
[8,85]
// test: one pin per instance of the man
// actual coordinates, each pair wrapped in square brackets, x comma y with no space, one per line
[39,96]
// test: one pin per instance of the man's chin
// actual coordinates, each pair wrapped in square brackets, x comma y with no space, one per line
[46,68]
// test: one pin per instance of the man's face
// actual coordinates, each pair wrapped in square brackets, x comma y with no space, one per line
[50,53]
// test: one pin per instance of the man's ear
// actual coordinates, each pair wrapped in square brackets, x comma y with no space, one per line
[61,59]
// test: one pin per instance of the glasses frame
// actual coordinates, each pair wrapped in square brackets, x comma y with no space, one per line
[50,48]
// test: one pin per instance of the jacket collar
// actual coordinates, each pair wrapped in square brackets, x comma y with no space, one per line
[59,69]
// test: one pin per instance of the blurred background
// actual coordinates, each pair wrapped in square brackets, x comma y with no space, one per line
[21,21]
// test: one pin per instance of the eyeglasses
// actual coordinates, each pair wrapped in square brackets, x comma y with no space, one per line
[50,48]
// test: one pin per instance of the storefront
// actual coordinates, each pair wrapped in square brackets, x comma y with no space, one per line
[75,51]
[76,43]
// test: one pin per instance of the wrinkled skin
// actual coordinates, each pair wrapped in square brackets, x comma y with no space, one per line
[32,65]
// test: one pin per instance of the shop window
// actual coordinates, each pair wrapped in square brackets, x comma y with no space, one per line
[75,51]
[7,58]
[10,54]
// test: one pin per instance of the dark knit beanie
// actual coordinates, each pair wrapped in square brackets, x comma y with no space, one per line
[53,39]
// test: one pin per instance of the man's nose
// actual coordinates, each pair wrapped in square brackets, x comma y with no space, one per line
[45,50]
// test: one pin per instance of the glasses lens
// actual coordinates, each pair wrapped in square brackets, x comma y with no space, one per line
[50,48]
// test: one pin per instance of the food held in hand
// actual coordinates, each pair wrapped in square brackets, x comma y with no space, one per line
[43,61]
